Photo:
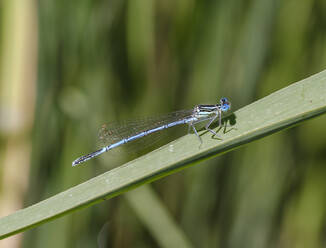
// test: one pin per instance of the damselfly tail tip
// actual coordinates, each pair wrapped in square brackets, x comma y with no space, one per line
[84,158]
[76,162]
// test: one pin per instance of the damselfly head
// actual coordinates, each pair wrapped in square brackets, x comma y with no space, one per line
[225,104]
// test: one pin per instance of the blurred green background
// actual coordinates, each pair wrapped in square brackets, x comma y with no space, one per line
[67,67]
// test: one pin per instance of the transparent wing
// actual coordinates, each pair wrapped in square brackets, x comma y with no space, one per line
[115,131]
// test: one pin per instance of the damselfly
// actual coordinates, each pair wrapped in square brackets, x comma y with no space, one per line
[199,113]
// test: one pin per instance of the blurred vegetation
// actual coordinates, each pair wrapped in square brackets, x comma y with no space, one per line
[66,67]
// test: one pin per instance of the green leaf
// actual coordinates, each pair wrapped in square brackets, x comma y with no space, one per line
[280,110]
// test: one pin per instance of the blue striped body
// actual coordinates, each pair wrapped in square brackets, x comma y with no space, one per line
[198,114]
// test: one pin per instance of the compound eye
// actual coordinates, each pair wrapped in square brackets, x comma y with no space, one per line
[224,100]
[225,105]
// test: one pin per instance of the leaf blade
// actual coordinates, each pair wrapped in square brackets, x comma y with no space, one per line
[280,110]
